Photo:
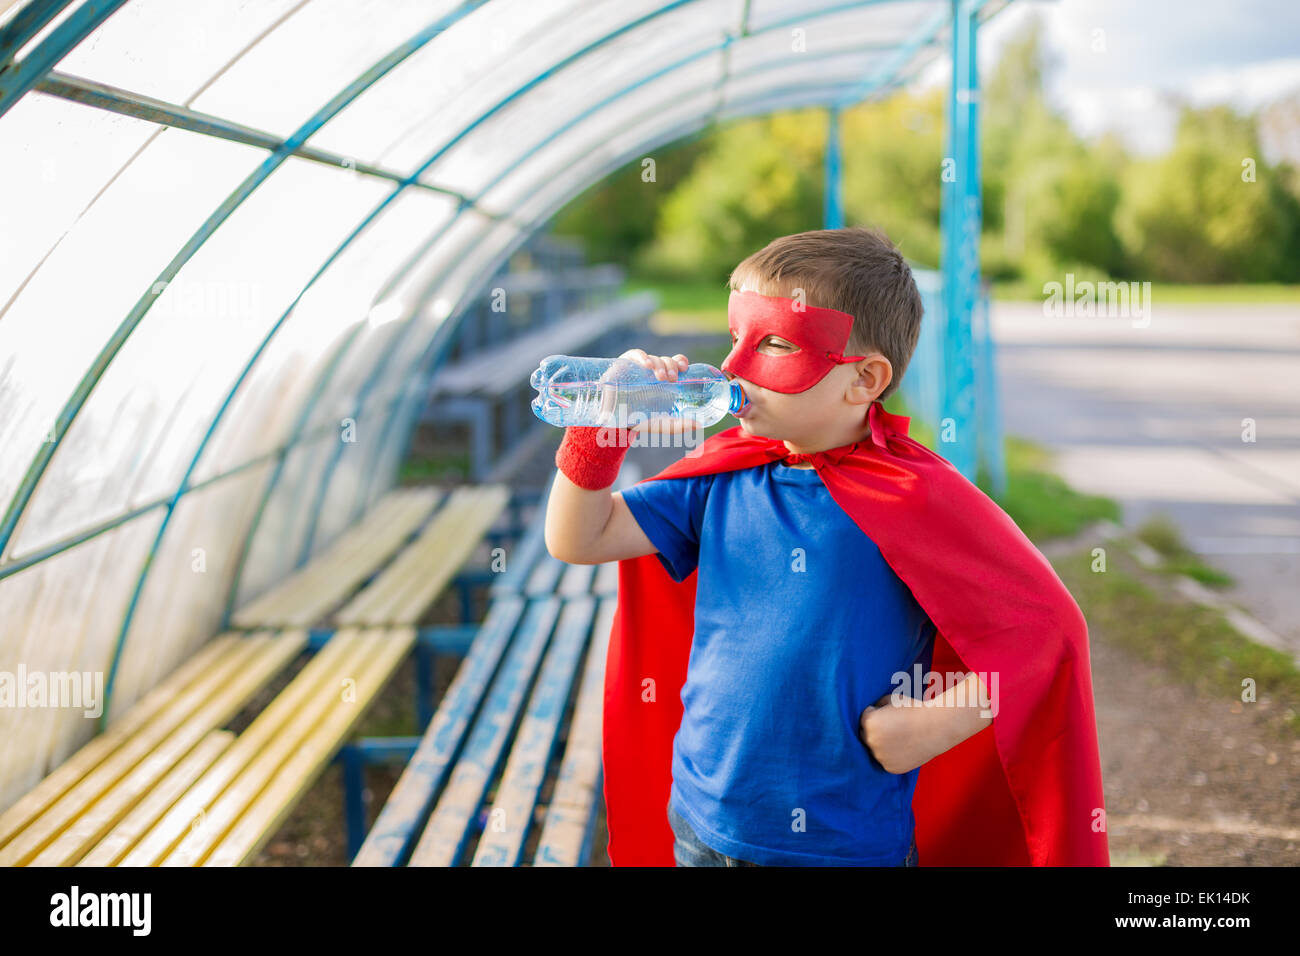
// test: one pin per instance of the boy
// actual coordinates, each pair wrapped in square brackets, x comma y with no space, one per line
[823,543]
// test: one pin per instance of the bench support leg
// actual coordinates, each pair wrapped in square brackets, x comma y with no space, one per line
[477,414]
[354,796]
[423,685]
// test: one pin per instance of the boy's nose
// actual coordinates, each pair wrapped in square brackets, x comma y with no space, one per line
[725,367]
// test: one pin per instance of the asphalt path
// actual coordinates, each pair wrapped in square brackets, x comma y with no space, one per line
[1192,411]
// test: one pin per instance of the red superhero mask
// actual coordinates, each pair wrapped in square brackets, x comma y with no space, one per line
[821,335]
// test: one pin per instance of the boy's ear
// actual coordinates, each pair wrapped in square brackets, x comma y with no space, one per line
[875,372]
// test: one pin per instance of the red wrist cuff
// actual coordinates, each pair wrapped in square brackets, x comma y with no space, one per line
[591,456]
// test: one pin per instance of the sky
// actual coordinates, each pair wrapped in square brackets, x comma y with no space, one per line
[1113,63]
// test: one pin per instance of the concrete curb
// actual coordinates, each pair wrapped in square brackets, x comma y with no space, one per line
[1243,623]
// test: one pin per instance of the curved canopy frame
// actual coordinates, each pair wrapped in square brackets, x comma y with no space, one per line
[443,135]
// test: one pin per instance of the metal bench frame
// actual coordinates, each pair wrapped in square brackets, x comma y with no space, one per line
[535,664]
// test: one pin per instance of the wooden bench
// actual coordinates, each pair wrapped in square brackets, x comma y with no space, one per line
[546,629]
[411,583]
[305,596]
[57,821]
[164,785]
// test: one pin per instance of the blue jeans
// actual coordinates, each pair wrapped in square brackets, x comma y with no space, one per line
[689,850]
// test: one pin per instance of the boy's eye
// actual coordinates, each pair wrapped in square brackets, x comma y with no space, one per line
[768,341]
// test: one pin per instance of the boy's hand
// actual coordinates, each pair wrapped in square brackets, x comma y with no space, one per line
[898,737]
[666,369]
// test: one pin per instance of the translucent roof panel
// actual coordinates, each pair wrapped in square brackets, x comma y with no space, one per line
[64,614]
[350,292]
[310,57]
[175,612]
[823,22]
[68,310]
[480,58]
[535,61]
[143,422]
[57,156]
[531,120]
[170,50]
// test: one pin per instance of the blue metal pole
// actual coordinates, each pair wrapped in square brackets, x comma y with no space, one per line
[971,211]
[960,258]
[833,212]
[17,78]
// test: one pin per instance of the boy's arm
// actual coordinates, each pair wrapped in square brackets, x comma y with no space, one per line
[960,715]
[903,738]
[586,525]
[591,527]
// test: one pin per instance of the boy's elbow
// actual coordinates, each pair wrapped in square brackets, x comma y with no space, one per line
[563,551]
[553,547]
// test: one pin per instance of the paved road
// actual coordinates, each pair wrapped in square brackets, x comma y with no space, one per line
[1150,411]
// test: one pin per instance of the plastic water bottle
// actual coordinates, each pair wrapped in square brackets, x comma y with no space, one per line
[573,390]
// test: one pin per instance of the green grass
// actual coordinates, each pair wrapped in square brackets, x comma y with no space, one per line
[1163,536]
[417,470]
[1171,293]
[1040,502]
[1193,642]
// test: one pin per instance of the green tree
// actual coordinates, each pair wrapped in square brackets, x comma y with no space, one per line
[893,162]
[1211,209]
[758,179]
[615,217]
[1051,196]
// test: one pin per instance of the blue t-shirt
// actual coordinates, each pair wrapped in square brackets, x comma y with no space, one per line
[799,626]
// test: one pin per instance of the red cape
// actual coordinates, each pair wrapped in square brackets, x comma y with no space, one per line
[1025,791]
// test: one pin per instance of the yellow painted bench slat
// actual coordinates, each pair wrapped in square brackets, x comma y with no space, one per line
[305,596]
[405,589]
[194,807]
[123,836]
[226,700]
[36,801]
[421,587]
[106,775]
[272,806]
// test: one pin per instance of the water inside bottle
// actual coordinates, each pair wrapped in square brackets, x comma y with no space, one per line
[630,394]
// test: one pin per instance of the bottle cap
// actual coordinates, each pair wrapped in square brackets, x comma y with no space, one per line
[739,400]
